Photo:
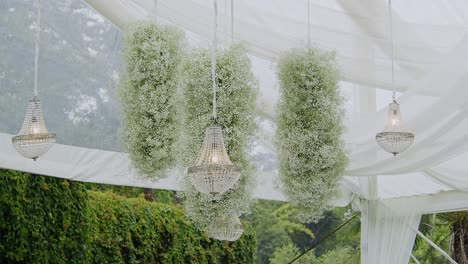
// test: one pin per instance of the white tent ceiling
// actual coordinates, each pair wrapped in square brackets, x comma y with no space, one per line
[430,37]
[431,44]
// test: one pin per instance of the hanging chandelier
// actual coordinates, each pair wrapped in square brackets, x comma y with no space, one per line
[213,173]
[228,229]
[33,139]
[394,139]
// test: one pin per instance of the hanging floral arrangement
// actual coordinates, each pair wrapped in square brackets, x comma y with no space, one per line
[308,138]
[148,94]
[236,96]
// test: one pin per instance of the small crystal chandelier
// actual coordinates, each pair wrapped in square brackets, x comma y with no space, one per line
[33,139]
[213,173]
[228,229]
[394,139]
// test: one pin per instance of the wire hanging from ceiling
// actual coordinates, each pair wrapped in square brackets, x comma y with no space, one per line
[36,50]
[155,11]
[391,50]
[308,24]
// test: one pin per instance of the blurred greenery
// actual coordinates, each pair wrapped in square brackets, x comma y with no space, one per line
[281,236]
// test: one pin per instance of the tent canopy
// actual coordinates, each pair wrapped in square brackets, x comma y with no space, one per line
[81,61]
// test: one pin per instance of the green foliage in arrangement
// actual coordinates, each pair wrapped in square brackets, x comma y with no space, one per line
[149,96]
[43,219]
[132,230]
[308,138]
[51,220]
[236,94]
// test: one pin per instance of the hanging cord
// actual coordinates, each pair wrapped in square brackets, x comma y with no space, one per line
[325,237]
[213,58]
[232,21]
[391,39]
[155,11]
[36,54]
[225,21]
[308,23]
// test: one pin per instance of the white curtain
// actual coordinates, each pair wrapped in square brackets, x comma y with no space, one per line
[387,236]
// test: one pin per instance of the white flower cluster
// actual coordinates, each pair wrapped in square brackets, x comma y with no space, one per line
[236,95]
[308,138]
[149,97]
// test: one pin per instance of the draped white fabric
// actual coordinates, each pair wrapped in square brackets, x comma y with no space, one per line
[386,237]
[388,227]
[429,44]
[108,167]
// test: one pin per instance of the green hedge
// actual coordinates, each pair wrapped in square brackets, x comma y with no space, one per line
[42,219]
[132,230]
[50,220]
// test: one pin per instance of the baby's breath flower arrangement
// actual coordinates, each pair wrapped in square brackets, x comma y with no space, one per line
[148,94]
[236,95]
[308,138]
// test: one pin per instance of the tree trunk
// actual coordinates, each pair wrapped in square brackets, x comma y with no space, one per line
[459,240]
[149,194]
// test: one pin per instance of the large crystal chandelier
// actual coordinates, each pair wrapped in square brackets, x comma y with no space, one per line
[228,229]
[394,139]
[213,172]
[33,139]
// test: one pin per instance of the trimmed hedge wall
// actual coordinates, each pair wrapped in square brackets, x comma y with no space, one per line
[51,220]
[42,219]
[133,230]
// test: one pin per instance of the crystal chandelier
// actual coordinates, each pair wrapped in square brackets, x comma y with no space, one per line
[394,139]
[228,229]
[213,173]
[33,139]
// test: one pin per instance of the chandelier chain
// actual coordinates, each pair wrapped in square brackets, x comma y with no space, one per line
[392,52]
[36,53]
[308,23]
[155,11]
[232,21]
[213,56]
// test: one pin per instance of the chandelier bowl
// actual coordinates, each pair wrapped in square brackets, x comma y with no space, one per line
[213,173]
[394,142]
[33,139]
[228,229]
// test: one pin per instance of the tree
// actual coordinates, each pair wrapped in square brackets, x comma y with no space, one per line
[458,222]
[288,252]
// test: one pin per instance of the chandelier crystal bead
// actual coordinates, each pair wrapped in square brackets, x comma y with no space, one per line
[394,139]
[33,139]
[213,173]
[227,229]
